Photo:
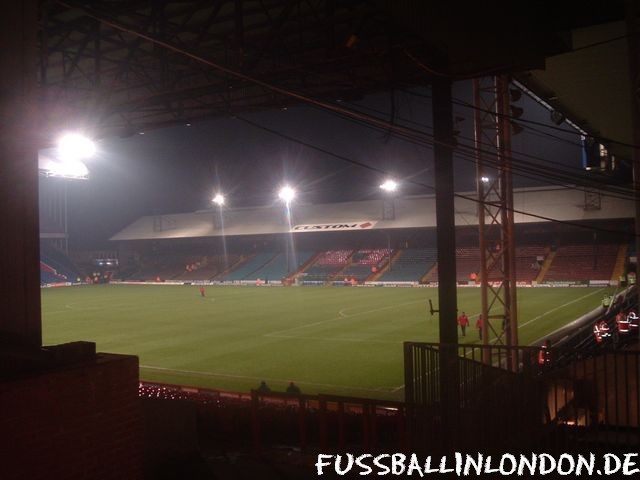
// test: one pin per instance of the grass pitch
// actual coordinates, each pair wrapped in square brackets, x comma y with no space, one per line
[337,340]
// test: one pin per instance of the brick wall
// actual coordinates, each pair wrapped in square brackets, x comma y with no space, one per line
[76,423]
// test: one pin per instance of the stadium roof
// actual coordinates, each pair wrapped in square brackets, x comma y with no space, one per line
[127,66]
[591,84]
[540,205]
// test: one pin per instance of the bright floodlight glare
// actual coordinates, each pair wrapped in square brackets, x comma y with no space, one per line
[218,199]
[73,146]
[68,169]
[484,179]
[389,185]
[286,194]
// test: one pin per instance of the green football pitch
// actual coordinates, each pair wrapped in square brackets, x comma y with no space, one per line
[336,340]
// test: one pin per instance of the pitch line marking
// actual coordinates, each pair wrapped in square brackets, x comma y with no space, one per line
[569,303]
[334,339]
[249,377]
[342,317]
[89,307]
[538,317]
[559,307]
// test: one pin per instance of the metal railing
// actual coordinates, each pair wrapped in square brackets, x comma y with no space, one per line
[556,399]
[327,422]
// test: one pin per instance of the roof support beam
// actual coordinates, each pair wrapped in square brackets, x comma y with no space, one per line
[633,31]
[20,323]
[442,110]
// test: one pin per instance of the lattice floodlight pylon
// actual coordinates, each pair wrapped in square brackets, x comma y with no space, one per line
[495,213]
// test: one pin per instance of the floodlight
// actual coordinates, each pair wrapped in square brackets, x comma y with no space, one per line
[68,169]
[218,199]
[73,146]
[287,194]
[484,179]
[389,185]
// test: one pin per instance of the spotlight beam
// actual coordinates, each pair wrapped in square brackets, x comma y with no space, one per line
[389,185]
[219,199]
[74,147]
[287,194]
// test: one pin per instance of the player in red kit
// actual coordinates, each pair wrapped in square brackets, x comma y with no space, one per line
[463,321]
[202,291]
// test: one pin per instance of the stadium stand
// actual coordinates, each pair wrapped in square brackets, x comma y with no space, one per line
[411,265]
[279,267]
[334,257]
[55,266]
[467,262]
[364,261]
[207,267]
[164,266]
[539,261]
[582,262]
[49,275]
[527,266]
[328,264]
[246,268]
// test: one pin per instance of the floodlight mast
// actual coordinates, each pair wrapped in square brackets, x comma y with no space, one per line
[389,185]
[219,199]
[287,194]
[75,146]
[495,211]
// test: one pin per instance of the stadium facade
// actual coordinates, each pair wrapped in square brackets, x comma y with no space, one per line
[540,204]
[382,241]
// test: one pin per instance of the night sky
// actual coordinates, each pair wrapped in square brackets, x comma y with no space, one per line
[177,169]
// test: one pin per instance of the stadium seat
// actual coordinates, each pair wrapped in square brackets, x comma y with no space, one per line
[411,266]
[582,263]
[328,264]
[363,261]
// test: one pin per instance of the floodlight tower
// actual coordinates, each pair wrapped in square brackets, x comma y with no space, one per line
[495,214]
[66,162]
[390,187]
[219,200]
[287,194]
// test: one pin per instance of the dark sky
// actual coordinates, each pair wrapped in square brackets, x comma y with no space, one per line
[177,169]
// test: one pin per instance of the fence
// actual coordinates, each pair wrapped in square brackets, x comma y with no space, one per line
[308,422]
[558,400]
[457,398]
[329,423]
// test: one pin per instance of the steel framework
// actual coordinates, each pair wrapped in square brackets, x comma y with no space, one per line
[123,67]
[495,212]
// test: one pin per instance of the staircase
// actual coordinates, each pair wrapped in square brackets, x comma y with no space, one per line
[241,261]
[621,261]
[374,277]
[307,264]
[545,266]
[347,264]
[429,272]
